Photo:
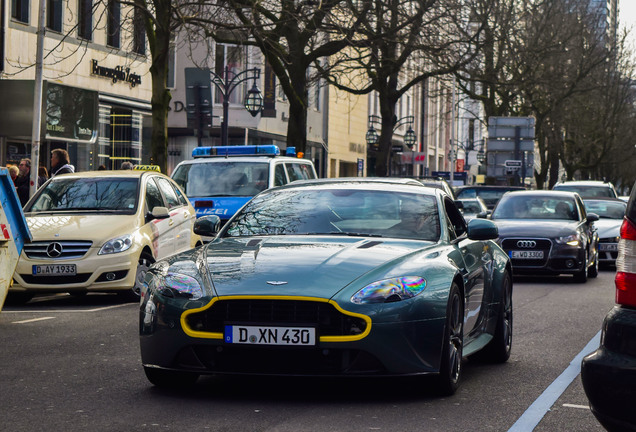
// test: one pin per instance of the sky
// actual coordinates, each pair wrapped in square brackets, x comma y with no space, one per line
[627,17]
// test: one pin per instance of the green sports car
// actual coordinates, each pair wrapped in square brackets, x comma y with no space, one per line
[331,277]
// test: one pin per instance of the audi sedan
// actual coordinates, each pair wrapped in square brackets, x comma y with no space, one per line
[548,232]
[331,277]
[100,231]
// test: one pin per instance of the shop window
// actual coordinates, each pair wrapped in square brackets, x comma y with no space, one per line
[114,23]
[20,10]
[139,33]
[233,57]
[54,15]
[85,19]
[125,137]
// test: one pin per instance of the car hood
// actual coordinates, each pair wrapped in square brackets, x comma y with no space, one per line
[535,227]
[97,228]
[608,227]
[304,266]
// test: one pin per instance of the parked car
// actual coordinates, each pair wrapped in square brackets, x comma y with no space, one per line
[472,208]
[439,183]
[609,373]
[588,188]
[611,213]
[331,277]
[220,180]
[548,232]
[490,194]
[100,231]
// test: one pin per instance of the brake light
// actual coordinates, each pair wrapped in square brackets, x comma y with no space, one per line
[625,279]
[625,288]
[628,230]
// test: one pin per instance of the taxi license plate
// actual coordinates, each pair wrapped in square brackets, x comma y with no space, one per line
[526,254]
[263,335]
[608,247]
[55,270]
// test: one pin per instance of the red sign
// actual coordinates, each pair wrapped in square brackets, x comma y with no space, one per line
[459,165]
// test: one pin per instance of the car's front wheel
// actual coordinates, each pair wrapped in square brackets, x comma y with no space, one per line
[592,270]
[144,263]
[170,379]
[498,349]
[581,276]
[453,346]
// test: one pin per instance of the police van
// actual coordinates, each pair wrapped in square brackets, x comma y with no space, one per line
[220,180]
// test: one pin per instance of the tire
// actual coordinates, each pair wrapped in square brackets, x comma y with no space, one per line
[581,276]
[498,349]
[145,260]
[170,379]
[448,380]
[592,271]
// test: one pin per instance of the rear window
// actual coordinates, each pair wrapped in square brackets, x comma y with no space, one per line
[588,191]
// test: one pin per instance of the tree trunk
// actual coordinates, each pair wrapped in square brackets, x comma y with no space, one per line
[297,125]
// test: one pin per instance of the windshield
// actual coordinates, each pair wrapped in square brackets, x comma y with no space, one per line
[588,191]
[535,207]
[227,178]
[340,212]
[607,209]
[103,194]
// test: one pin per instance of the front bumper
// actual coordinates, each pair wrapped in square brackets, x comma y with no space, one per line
[557,258]
[389,349]
[609,373]
[111,272]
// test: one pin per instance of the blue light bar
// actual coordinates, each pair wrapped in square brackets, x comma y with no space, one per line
[291,151]
[248,150]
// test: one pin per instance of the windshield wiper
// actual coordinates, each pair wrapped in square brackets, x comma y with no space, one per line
[353,234]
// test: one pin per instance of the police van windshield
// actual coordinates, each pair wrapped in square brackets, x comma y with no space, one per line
[222,178]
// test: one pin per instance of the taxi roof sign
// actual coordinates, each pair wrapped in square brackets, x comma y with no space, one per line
[147,168]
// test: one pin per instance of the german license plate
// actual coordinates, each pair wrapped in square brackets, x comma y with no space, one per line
[55,270]
[526,254]
[608,247]
[263,335]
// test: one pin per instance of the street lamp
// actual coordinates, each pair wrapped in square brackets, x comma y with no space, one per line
[409,137]
[226,85]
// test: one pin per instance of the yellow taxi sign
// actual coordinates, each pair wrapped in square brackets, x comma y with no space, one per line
[147,168]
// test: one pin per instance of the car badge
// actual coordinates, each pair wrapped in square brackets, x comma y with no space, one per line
[526,244]
[276,283]
[54,250]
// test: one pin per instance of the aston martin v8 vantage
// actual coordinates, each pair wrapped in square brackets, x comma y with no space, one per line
[331,278]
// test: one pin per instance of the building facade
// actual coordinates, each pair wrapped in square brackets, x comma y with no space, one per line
[96,86]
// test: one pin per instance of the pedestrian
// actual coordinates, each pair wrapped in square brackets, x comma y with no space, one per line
[43,174]
[13,172]
[60,163]
[127,165]
[23,182]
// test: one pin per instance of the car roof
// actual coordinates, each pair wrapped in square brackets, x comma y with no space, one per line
[361,180]
[107,173]
[604,199]
[490,187]
[265,159]
[583,183]
[542,192]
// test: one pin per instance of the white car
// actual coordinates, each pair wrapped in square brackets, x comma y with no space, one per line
[611,213]
[100,231]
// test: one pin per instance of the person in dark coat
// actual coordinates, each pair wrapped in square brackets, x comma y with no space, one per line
[60,163]
[23,181]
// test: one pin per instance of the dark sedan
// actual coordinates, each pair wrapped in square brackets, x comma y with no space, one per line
[548,232]
[609,373]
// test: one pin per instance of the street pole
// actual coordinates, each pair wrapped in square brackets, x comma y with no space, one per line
[452,139]
[36,127]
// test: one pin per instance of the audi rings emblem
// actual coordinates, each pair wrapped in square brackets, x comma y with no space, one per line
[54,250]
[527,244]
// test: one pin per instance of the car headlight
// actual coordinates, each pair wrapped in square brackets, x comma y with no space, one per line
[116,245]
[390,290]
[571,240]
[179,285]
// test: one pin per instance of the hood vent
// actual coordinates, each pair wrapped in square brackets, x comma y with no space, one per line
[370,244]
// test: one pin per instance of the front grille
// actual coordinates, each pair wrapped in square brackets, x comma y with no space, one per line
[69,249]
[327,319]
[545,245]
[55,280]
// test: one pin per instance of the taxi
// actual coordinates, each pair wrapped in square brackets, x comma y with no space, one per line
[101,231]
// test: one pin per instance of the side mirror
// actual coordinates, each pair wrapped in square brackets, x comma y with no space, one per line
[207,226]
[159,213]
[592,217]
[482,215]
[482,229]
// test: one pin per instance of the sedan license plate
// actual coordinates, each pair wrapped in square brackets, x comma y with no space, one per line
[608,247]
[55,270]
[526,254]
[263,335]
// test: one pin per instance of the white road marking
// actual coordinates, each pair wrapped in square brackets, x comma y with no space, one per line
[21,311]
[32,320]
[585,407]
[533,415]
